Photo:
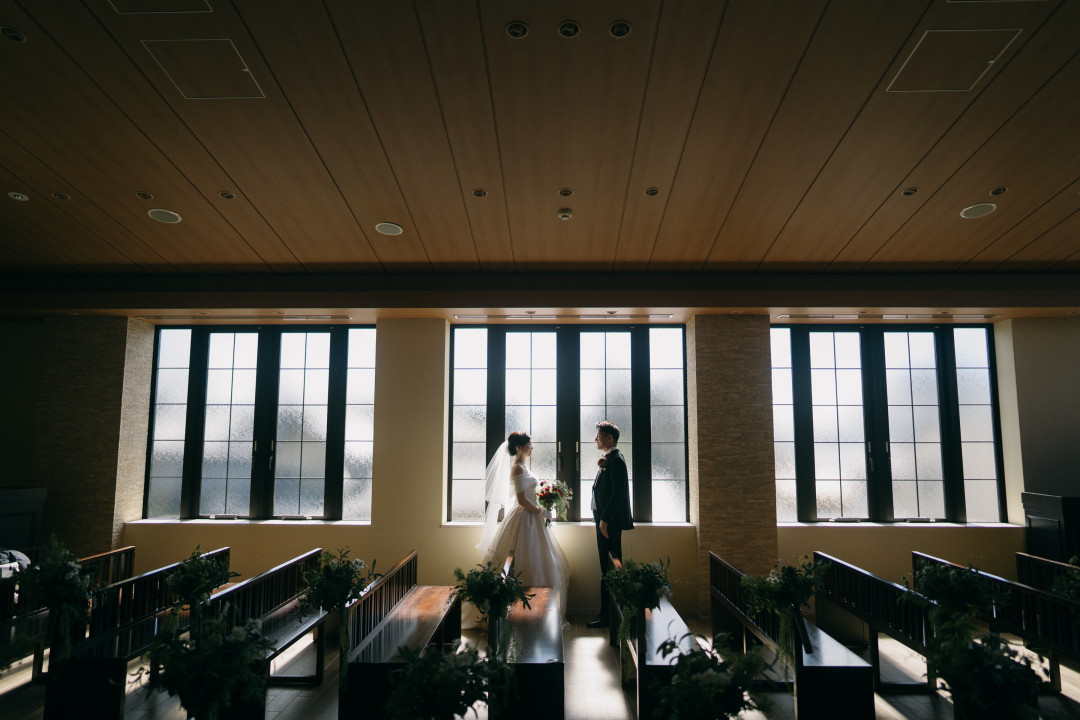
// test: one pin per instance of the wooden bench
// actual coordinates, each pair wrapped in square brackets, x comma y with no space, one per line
[647,632]
[830,680]
[1047,623]
[273,598]
[882,607]
[392,612]
[106,567]
[536,652]
[123,625]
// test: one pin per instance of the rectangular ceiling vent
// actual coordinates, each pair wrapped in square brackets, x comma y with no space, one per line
[140,7]
[951,60]
[210,69]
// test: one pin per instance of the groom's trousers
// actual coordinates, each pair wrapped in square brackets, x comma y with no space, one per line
[607,545]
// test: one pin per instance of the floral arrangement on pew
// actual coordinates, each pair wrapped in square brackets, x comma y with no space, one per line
[493,593]
[554,495]
[60,583]
[637,587]
[986,677]
[709,681]
[442,686]
[784,592]
[332,586]
[214,668]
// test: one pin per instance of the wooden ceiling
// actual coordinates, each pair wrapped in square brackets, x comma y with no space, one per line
[748,136]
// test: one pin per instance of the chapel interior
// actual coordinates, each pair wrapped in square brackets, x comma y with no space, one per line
[418,167]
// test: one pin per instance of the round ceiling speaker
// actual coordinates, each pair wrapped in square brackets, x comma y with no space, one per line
[978,210]
[387,228]
[163,216]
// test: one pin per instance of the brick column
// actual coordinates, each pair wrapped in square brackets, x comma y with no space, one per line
[92,419]
[732,476]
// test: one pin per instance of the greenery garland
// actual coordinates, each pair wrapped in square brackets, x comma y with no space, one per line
[434,685]
[62,584]
[637,587]
[708,682]
[784,592]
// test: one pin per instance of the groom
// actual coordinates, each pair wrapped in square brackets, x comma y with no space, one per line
[610,507]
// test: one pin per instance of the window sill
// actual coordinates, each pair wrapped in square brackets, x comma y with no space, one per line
[914,525]
[245,521]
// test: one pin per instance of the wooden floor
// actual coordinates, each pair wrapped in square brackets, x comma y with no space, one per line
[593,691]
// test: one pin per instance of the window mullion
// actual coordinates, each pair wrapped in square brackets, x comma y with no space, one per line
[266,396]
[335,424]
[568,414]
[195,424]
[875,418]
[802,409]
[952,458]
[642,423]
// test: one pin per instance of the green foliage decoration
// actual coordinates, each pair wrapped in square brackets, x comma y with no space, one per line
[1067,584]
[490,591]
[637,587]
[60,583]
[709,682]
[212,668]
[337,581]
[985,676]
[196,578]
[784,592]
[433,685]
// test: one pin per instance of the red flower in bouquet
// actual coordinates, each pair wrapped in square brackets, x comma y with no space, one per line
[554,495]
[602,462]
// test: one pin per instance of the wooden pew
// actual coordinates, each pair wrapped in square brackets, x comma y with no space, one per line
[391,613]
[648,631]
[1047,623]
[536,652]
[830,680]
[1039,572]
[123,624]
[273,598]
[106,567]
[884,607]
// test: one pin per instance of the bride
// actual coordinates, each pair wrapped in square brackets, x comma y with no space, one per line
[523,530]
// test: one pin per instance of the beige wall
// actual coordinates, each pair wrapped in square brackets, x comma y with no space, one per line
[885,550]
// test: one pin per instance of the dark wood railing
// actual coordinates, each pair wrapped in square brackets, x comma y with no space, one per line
[1039,572]
[135,599]
[258,596]
[725,582]
[884,605]
[1048,623]
[111,567]
[380,598]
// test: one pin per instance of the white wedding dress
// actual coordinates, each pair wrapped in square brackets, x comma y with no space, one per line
[537,555]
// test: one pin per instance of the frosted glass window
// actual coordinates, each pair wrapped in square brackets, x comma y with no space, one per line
[300,470]
[914,425]
[783,425]
[836,396]
[230,429]
[469,418]
[604,382]
[531,396]
[977,442]
[359,425]
[170,422]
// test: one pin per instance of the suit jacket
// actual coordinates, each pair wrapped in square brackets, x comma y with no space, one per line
[611,491]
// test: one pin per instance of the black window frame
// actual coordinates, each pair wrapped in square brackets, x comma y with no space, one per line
[265,421]
[568,413]
[875,417]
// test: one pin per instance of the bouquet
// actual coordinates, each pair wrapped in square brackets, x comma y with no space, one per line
[554,495]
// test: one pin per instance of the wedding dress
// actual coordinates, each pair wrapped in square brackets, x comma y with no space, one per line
[537,555]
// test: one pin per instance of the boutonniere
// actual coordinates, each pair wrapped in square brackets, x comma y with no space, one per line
[602,462]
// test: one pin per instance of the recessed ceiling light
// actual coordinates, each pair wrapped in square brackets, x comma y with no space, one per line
[517,29]
[479,192]
[999,191]
[227,195]
[569,28]
[908,192]
[387,228]
[566,192]
[13,34]
[164,216]
[143,195]
[652,191]
[619,29]
[21,197]
[565,214]
[61,196]
[978,210]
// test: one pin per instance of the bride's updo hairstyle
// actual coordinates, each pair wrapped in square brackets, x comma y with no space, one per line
[517,439]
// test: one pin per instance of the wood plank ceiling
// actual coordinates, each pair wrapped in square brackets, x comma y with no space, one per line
[823,136]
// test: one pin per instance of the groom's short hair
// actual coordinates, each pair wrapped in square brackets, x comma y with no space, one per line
[609,428]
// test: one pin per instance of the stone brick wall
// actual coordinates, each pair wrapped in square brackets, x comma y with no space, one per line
[732,476]
[89,440]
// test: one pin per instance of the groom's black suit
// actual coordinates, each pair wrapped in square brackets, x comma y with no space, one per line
[611,503]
